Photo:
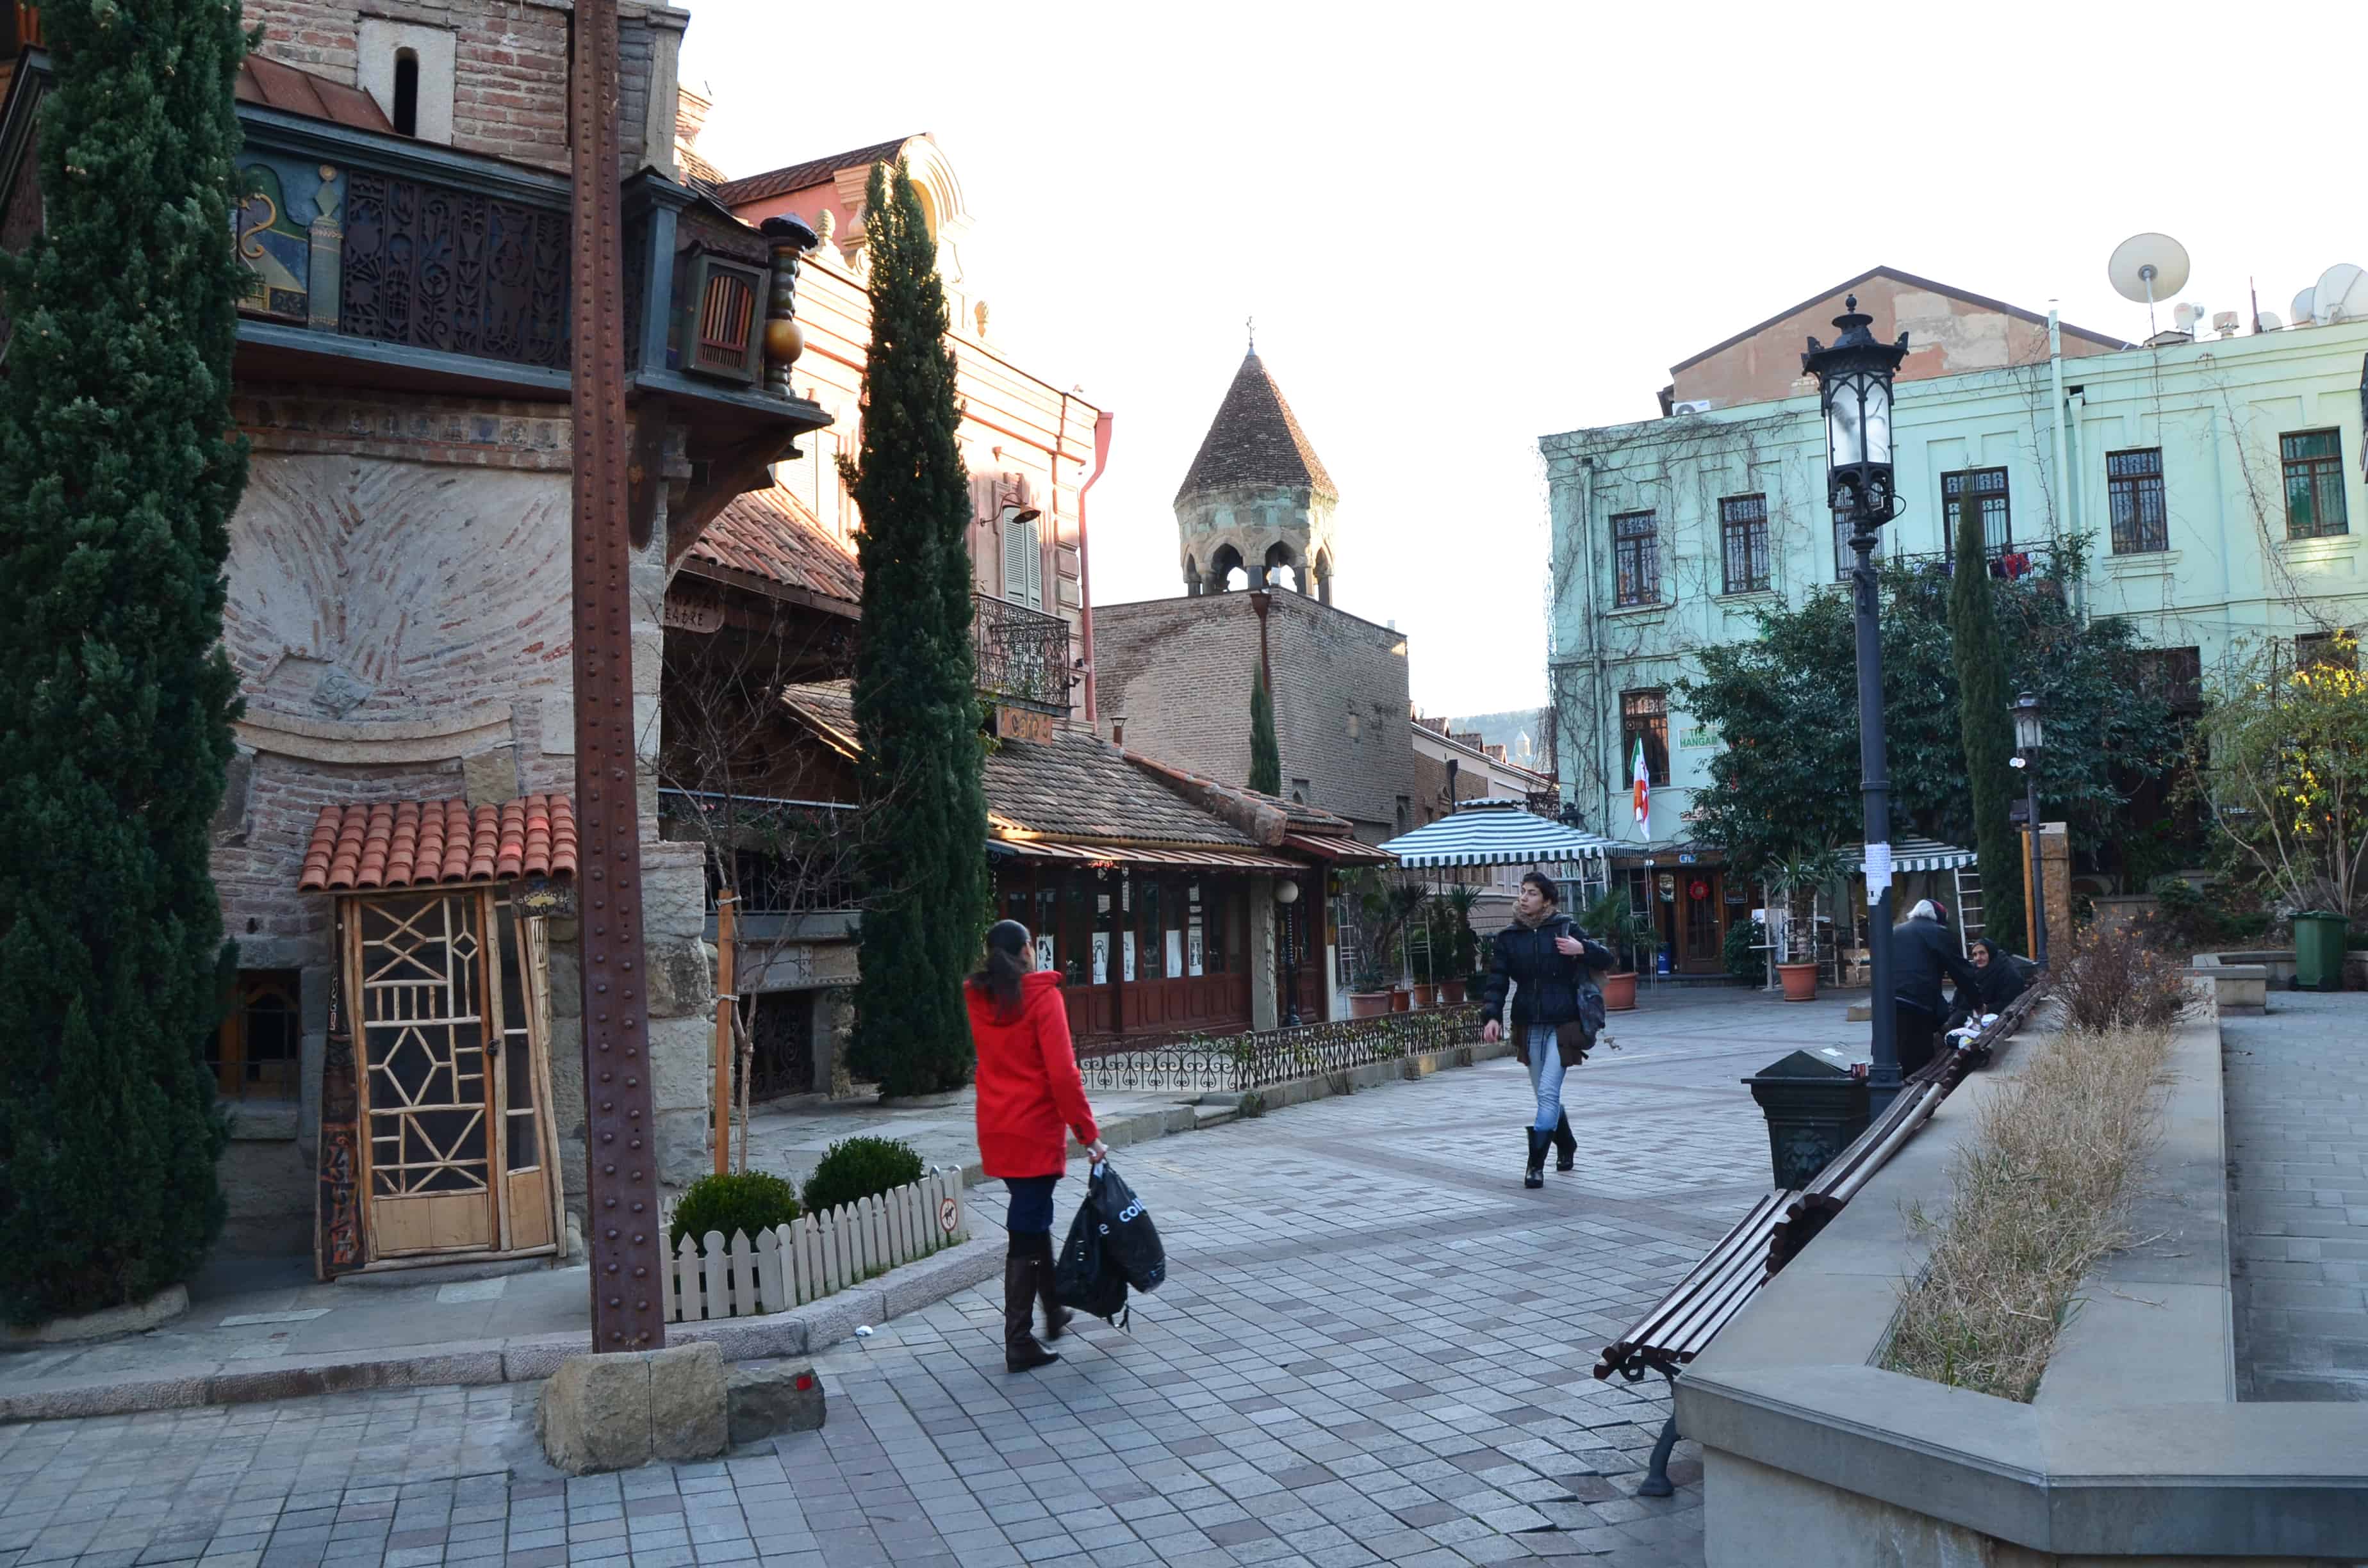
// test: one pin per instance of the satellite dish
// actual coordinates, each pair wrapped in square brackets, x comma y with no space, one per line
[2269,322]
[2305,309]
[2147,268]
[2341,294]
[2187,315]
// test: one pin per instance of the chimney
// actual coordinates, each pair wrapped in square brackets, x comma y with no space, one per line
[1117,729]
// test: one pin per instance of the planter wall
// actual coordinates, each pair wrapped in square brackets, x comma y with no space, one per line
[815,1255]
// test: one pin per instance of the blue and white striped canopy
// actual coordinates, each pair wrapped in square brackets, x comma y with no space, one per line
[1491,835]
[1911,853]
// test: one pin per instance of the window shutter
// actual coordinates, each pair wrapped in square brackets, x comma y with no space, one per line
[1015,560]
[1035,566]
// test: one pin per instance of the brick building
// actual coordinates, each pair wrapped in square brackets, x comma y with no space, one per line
[394,854]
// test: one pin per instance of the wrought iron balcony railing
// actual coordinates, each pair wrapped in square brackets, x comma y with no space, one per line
[1023,654]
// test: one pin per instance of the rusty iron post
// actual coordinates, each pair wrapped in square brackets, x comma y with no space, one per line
[621,1188]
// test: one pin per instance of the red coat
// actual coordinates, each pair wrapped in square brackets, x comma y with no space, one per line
[1029,1096]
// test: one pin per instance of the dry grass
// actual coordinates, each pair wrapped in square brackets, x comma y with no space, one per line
[2040,1198]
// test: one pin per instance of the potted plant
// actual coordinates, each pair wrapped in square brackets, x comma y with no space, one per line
[1790,879]
[1402,904]
[1418,956]
[1463,945]
[1614,921]
[1371,997]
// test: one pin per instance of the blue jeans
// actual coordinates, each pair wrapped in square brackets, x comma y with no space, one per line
[1545,1075]
[1032,1205]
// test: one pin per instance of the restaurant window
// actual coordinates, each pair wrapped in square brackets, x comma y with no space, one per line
[1645,715]
[1149,943]
[1983,487]
[256,1053]
[2133,499]
[1079,920]
[2314,473]
[1637,559]
[1743,542]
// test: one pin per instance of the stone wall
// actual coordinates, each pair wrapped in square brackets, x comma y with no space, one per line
[1179,672]
[399,615]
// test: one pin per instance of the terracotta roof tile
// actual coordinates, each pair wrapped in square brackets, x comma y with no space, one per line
[805,175]
[1255,439]
[418,844]
[276,85]
[768,534]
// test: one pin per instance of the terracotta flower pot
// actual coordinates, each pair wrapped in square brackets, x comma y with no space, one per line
[1401,1000]
[1799,980]
[1368,1004]
[1426,996]
[1451,991]
[1619,992]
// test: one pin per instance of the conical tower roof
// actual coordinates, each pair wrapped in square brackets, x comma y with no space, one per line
[1256,439]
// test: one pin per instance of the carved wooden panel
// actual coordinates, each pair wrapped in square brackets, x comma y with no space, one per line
[434,267]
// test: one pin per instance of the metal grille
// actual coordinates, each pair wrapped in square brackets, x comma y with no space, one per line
[1023,654]
[1250,1061]
[2314,473]
[1645,715]
[435,268]
[1636,558]
[1987,488]
[1743,537]
[2133,495]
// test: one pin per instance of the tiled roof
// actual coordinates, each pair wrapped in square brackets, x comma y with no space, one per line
[803,176]
[768,534]
[1255,439]
[420,844]
[703,174]
[1078,787]
[1297,817]
[265,81]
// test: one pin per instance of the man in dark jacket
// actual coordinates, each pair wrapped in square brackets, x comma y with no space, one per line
[1543,959]
[1922,950]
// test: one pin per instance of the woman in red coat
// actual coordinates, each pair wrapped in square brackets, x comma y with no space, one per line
[1029,1099]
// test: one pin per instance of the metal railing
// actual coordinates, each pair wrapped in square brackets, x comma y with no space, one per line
[1023,654]
[1237,1064]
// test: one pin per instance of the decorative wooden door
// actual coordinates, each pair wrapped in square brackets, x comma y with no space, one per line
[451,1020]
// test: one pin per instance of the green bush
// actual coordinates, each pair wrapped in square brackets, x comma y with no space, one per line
[855,1168]
[732,1204]
[1748,967]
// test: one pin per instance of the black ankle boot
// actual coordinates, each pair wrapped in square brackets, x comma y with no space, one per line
[1021,1351]
[1535,1175]
[1566,1145]
[1056,1317]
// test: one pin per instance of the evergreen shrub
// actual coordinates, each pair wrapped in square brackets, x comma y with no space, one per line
[732,1204]
[857,1168]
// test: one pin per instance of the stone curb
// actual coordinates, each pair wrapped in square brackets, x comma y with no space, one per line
[526,1358]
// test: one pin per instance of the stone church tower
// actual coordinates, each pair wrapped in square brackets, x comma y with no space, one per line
[1256,497]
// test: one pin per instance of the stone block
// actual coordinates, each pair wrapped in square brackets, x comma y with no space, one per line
[682,1147]
[687,1411]
[767,1400]
[595,1414]
[681,979]
[491,778]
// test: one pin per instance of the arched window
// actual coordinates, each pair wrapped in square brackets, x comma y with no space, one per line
[1226,573]
[1281,567]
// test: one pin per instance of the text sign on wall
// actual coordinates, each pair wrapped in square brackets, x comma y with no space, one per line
[1023,724]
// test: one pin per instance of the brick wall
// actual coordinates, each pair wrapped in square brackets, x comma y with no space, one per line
[1179,671]
[509,89]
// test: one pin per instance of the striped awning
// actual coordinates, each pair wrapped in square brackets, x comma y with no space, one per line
[1216,858]
[1336,847]
[1494,835]
[1914,854]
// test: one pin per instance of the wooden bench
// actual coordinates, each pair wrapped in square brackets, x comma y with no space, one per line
[1686,1319]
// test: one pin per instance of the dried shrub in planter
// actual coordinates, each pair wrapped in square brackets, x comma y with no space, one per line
[2113,979]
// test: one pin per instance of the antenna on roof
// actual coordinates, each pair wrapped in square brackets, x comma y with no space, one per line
[2147,268]
[1251,322]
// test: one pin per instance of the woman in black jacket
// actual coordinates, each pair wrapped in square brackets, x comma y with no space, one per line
[2004,977]
[1543,958]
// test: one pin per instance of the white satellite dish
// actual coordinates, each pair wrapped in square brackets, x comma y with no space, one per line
[2305,309]
[2147,268]
[2341,294]
[2185,316]
[2269,322]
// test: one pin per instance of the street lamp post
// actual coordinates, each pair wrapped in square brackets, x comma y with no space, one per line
[2029,733]
[1286,895]
[1854,379]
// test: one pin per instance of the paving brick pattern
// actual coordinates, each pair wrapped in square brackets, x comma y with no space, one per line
[1373,1347]
[2296,1086]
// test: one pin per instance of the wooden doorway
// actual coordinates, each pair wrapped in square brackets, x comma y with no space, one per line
[450,1011]
[1700,921]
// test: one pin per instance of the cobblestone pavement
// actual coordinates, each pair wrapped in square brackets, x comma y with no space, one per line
[2296,1081]
[1373,1345]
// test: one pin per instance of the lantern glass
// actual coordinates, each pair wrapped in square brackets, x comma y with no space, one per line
[1845,429]
[1286,893]
[2028,733]
[1877,417]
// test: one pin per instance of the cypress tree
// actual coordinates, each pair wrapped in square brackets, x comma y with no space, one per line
[1985,727]
[917,702]
[1266,756]
[118,477]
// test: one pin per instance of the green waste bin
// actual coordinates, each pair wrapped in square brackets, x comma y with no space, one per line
[2318,951]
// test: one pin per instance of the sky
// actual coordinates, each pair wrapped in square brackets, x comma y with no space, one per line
[1461,228]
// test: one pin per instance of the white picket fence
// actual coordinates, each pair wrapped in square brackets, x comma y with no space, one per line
[813,1254]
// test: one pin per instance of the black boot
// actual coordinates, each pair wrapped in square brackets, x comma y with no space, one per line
[1566,1145]
[1056,1317]
[1021,1351]
[1535,1176]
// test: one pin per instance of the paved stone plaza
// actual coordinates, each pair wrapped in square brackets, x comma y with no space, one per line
[2296,1081]
[1372,1346]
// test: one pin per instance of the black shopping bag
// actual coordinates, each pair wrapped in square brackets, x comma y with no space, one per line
[1129,1241]
[1083,1278]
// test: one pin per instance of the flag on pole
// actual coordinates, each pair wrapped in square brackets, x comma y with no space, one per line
[1644,784]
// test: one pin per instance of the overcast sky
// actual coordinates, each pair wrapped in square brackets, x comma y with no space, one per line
[1460,227]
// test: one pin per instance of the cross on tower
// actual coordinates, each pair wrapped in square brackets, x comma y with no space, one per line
[1251,322]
